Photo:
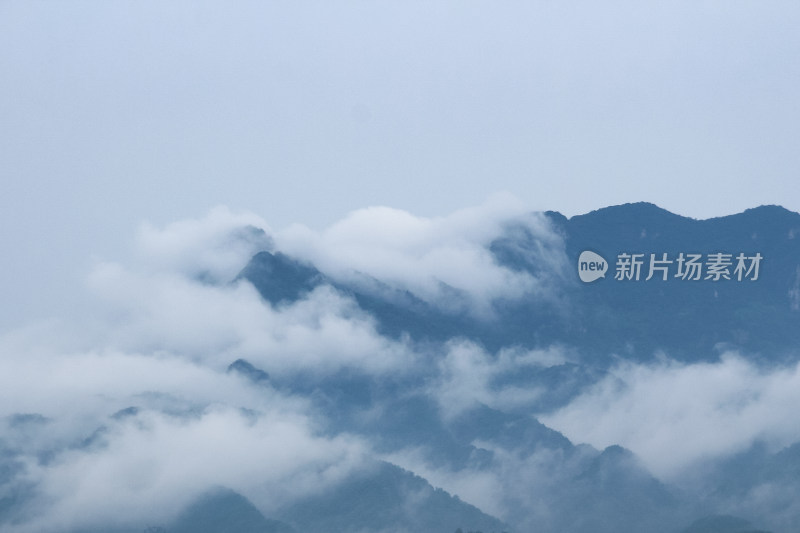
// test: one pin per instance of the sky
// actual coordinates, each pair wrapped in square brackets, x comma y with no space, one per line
[113,114]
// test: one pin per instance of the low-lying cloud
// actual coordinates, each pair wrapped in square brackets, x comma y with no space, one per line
[159,462]
[675,415]
[213,248]
[469,376]
[442,260]
[219,324]
[132,408]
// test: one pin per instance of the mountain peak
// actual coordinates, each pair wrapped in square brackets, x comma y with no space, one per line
[771,211]
[630,211]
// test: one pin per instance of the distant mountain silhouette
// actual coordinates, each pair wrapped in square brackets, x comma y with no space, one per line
[247,370]
[385,497]
[691,320]
[721,524]
[547,483]
[688,319]
[225,511]
[281,278]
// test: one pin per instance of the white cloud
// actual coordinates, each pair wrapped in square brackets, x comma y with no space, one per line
[160,339]
[191,432]
[468,377]
[674,415]
[219,324]
[94,385]
[442,260]
[214,248]
[482,488]
[159,463]
[522,486]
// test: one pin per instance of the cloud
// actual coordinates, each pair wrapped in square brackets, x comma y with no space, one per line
[91,386]
[164,328]
[469,376]
[194,427]
[219,324]
[443,260]
[160,337]
[482,488]
[676,415]
[159,463]
[528,488]
[165,350]
[213,248]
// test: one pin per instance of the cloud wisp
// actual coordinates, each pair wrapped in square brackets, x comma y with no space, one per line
[442,260]
[134,406]
[676,416]
[469,376]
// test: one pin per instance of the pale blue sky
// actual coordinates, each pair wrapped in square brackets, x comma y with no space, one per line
[116,112]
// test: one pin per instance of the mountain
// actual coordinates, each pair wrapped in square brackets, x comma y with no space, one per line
[721,524]
[686,318]
[281,278]
[219,510]
[466,411]
[250,372]
[225,511]
[690,319]
[597,323]
[387,498]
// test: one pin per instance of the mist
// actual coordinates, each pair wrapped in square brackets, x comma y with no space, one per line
[182,376]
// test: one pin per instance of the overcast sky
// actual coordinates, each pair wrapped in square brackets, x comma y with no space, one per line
[112,113]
